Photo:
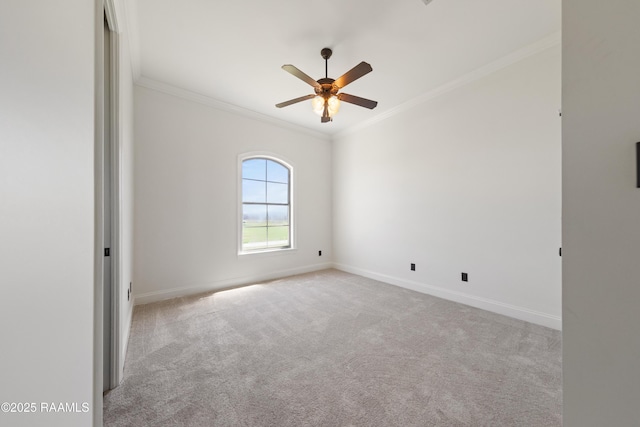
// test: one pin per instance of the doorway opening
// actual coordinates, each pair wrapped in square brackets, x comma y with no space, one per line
[109,226]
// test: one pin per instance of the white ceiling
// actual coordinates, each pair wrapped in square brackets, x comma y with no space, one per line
[232,50]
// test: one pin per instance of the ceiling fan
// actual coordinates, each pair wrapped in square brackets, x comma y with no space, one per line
[326,100]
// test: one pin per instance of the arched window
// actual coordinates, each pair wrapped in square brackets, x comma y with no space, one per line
[266,204]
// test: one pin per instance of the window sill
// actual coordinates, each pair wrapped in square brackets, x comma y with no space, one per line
[267,252]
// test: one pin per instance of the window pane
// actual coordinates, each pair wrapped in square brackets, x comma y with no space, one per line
[254,238]
[278,215]
[254,216]
[278,236]
[277,193]
[265,205]
[276,172]
[254,169]
[253,191]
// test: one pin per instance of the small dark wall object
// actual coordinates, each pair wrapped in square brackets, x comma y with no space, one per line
[465,277]
[638,164]
[413,267]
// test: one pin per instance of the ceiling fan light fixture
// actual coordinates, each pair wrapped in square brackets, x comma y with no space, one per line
[317,104]
[332,105]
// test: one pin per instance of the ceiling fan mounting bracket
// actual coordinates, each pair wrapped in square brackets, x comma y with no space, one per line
[326,53]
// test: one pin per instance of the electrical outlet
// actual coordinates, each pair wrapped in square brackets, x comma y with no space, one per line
[465,277]
[413,267]
[319,253]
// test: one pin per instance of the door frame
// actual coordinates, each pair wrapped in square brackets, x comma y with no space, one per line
[115,175]
[106,8]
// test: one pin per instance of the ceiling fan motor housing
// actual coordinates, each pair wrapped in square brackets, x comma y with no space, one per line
[326,88]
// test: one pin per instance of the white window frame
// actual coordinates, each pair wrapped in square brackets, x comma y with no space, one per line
[292,214]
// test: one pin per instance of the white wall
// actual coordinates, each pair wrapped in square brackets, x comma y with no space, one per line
[601,213]
[46,207]
[186,204]
[467,182]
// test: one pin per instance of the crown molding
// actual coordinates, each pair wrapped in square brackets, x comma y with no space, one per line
[224,106]
[510,59]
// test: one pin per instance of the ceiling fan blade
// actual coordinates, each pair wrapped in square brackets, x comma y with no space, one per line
[293,101]
[362,102]
[353,74]
[299,74]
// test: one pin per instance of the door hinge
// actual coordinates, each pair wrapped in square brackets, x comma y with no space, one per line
[106,251]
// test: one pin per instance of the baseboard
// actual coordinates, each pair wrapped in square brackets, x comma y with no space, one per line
[521,313]
[155,296]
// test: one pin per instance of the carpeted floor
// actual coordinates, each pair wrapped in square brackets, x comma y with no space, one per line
[334,349]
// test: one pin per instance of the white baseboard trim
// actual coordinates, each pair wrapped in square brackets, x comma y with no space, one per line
[155,296]
[521,313]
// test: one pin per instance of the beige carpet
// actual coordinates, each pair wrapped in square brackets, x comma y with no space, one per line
[334,349]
